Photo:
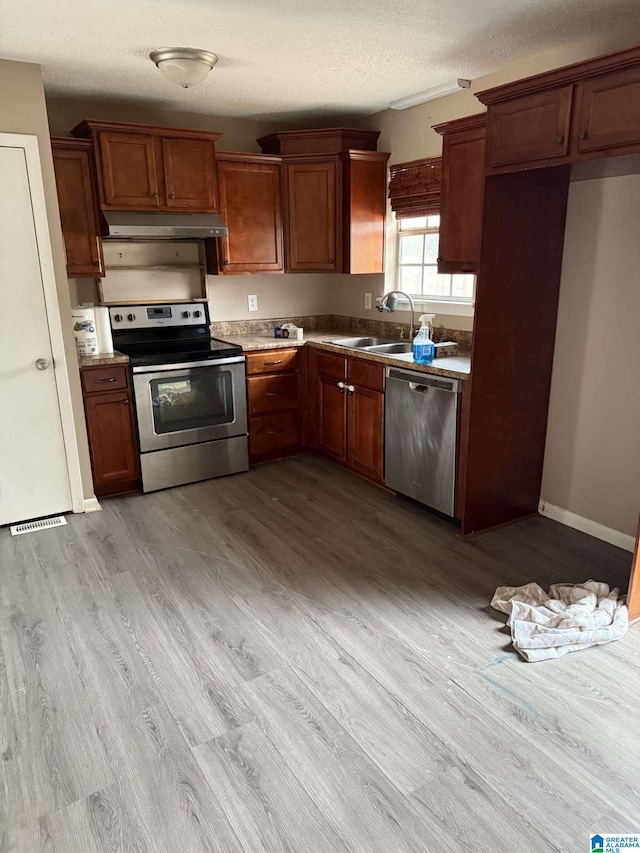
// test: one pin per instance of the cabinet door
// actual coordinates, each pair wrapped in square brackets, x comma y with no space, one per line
[332,418]
[78,211]
[364,211]
[608,111]
[114,453]
[312,216]
[251,206]
[190,174]
[462,197]
[366,431]
[129,173]
[530,128]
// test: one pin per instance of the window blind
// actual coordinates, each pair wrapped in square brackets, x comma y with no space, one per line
[414,188]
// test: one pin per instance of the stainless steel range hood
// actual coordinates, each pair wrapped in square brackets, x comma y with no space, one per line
[165,226]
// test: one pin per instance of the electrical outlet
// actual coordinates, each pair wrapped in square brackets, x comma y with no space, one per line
[253,302]
[367,300]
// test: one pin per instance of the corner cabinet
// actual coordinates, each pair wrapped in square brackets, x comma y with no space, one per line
[108,406]
[251,207]
[461,194]
[335,199]
[77,201]
[585,111]
[142,167]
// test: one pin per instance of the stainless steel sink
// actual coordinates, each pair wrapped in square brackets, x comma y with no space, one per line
[391,349]
[360,343]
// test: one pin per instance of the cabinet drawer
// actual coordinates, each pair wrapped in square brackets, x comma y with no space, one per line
[272,361]
[104,379]
[332,365]
[269,434]
[367,374]
[272,393]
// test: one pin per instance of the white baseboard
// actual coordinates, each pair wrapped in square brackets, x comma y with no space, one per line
[585,525]
[92,505]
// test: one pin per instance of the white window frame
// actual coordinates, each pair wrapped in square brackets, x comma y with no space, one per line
[430,304]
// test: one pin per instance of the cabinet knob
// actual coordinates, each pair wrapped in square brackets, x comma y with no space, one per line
[225,263]
[155,195]
[439,260]
[331,261]
[559,139]
[582,134]
[125,402]
[96,263]
[351,389]
[172,195]
[341,387]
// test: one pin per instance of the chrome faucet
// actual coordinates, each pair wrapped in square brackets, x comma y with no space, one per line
[390,303]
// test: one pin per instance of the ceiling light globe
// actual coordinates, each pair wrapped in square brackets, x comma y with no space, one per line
[184,66]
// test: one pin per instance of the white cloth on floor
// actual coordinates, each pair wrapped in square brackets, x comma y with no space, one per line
[569,618]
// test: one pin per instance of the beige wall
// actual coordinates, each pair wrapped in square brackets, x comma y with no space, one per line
[237,134]
[23,110]
[592,459]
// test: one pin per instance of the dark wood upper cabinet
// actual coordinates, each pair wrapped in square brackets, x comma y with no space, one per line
[143,167]
[129,171]
[364,211]
[533,127]
[73,164]
[251,206]
[312,216]
[190,174]
[608,111]
[335,199]
[462,193]
[589,110]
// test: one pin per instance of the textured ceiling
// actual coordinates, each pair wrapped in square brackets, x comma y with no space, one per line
[283,59]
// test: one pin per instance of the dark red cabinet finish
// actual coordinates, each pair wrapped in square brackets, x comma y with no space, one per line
[73,165]
[251,206]
[462,193]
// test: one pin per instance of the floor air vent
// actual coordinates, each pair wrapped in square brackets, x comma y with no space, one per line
[40,524]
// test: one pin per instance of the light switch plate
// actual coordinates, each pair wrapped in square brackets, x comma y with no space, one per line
[367,300]
[253,302]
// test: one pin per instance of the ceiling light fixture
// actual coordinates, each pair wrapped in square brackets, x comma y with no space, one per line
[184,66]
[430,94]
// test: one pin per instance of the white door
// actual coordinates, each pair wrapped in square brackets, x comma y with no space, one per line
[34,479]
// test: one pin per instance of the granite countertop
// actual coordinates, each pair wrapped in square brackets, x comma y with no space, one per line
[453,367]
[103,359]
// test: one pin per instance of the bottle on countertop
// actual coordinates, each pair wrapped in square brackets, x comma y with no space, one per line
[423,347]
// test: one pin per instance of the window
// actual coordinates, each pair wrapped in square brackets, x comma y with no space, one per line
[418,265]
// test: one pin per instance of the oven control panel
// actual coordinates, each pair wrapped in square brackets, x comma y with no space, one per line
[157,316]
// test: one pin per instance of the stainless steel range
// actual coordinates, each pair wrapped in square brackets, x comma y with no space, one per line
[189,391]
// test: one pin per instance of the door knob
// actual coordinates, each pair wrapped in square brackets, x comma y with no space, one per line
[43,363]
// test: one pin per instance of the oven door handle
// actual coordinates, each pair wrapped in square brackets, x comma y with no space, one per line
[165,368]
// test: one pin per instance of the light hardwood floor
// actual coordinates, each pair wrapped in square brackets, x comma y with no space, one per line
[294,660]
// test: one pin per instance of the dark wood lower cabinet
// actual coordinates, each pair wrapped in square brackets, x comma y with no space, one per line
[345,411]
[274,404]
[111,432]
[332,412]
[365,444]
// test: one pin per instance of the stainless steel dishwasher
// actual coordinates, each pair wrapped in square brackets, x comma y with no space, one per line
[421,437]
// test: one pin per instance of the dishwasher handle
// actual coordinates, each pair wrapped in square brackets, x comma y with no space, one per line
[422,382]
